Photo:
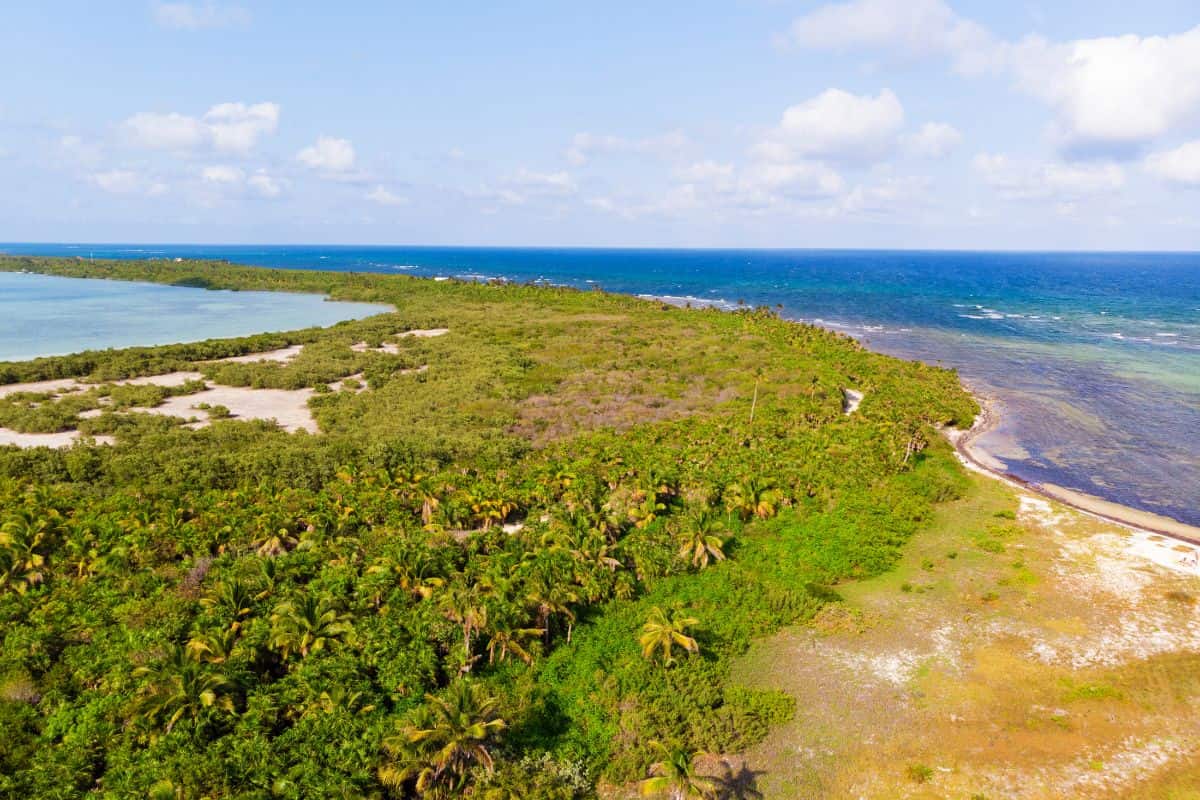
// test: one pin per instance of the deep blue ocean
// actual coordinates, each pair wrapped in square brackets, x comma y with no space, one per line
[1094,358]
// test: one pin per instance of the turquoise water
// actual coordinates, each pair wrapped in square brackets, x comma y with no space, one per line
[42,315]
[1095,357]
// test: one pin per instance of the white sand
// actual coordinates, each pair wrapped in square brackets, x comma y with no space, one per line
[851,400]
[426,334]
[282,355]
[169,379]
[60,439]
[386,347]
[38,387]
[289,408]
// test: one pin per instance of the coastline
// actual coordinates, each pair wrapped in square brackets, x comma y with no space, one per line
[965,441]
[979,460]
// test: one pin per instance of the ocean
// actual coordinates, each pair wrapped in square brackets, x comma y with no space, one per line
[1093,358]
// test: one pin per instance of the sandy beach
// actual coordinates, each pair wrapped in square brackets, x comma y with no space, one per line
[974,456]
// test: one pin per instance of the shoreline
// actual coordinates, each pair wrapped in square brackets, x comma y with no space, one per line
[979,460]
[973,457]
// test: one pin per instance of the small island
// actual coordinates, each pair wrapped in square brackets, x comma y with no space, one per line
[513,541]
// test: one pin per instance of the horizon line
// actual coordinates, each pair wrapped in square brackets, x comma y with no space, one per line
[606,248]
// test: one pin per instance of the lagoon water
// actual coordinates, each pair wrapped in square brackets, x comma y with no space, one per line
[42,315]
[1094,357]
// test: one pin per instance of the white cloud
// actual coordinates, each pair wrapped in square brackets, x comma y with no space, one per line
[888,196]
[228,127]
[934,140]
[767,183]
[1120,91]
[164,131]
[543,182]
[264,184]
[1180,166]
[1018,180]
[586,146]
[1110,95]
[123,181]
[711,172]
[838,125]
[237,127]
[329,154]
[382,195]
[197,16]
[910,28]
[222,174]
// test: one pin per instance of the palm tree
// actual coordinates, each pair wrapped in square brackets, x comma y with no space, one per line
[215,647]
[509,640]
[463,606]
[699,542]
[24,538]
[661,635]
[673,776]
[550,598]
[754,497]
[179,687]
[305,626]
[276,544]
[442,742]
[235,598]
[408,576]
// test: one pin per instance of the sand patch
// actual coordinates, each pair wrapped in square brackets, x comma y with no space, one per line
[170,379]
[40,387]
[427,333]
[387,347]
[59,439]
[851,400]
[289,408]
[282,355]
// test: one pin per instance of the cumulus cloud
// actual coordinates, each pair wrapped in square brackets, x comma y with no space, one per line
[1110,96]
[329,154]
[797,180]
[264,184]
[887,196]
[385,197]
[227,127]
[1113,93]
[910,28]
[1017,180]
[710,172]
[171,131]
[836,125]
[545,182]
[237,127]
[586,146]
[933,140]
[221,174]
[198,16]
[1180,166]
[123,181]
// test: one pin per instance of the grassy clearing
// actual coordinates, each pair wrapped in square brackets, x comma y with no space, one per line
[937,679]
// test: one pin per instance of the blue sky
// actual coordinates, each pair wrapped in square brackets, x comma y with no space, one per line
[871,123]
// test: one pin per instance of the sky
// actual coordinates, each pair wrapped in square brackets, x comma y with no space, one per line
[746,123]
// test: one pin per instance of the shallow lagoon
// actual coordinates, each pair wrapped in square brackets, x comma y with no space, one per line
[42,315]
